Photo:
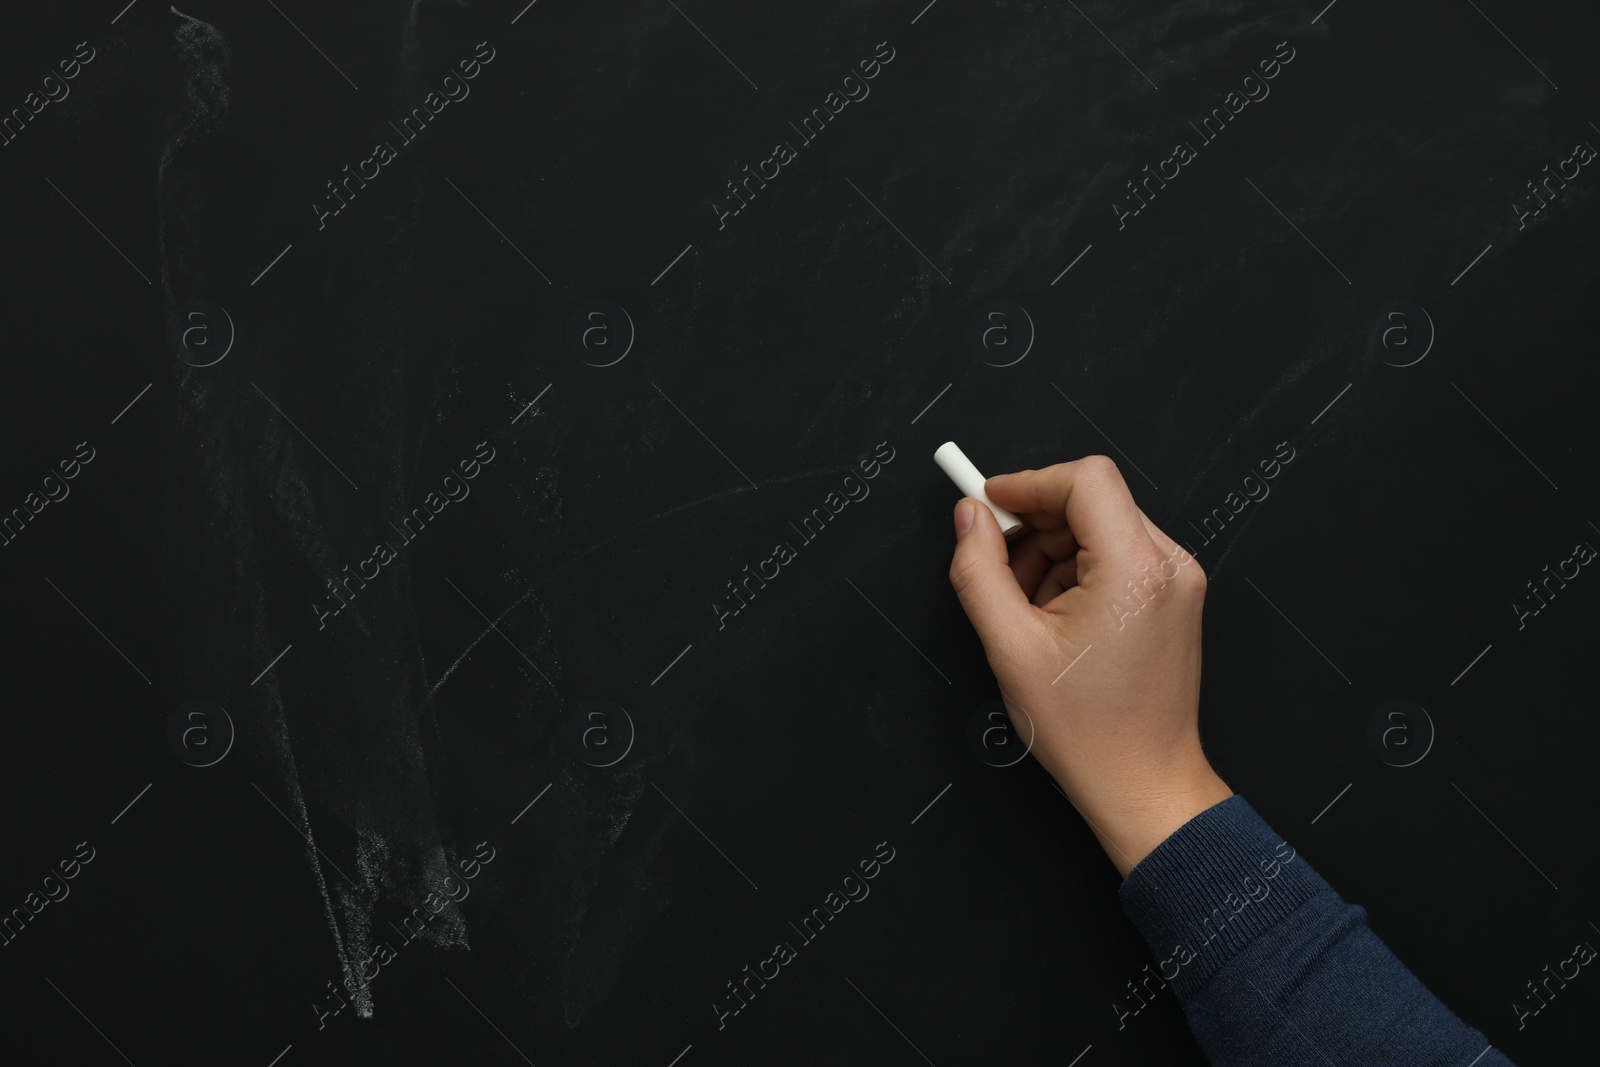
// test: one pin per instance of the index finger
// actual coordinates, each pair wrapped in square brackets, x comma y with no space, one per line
[1086,495]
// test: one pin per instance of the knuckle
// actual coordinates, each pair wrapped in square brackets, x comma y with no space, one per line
[1147,557]
[1099,466]
[961,575]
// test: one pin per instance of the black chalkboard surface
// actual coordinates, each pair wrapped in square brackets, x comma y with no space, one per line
[477,574]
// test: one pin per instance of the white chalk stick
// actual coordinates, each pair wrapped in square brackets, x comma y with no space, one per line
[955,463]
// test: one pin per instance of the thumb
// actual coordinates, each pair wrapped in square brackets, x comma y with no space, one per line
[981,573]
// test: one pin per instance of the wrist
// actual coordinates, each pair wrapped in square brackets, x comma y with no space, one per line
[1132,823]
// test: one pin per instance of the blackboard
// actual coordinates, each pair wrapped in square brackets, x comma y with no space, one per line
[407,403]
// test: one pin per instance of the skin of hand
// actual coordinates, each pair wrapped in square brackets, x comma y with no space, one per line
[1091,623]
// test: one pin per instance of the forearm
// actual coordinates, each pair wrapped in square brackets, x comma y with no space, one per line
[1272,967]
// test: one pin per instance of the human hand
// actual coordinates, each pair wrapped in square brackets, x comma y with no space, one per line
[1091,624]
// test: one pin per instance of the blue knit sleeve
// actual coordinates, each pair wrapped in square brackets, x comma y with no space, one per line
[1272,967]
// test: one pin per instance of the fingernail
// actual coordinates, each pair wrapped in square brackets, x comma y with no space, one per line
[966,511]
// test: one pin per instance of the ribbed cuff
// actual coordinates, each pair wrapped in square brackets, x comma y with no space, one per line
[1213,887]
